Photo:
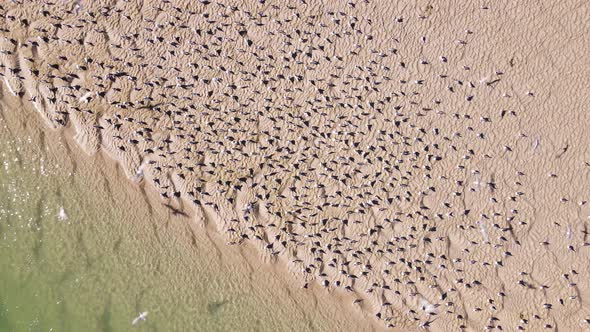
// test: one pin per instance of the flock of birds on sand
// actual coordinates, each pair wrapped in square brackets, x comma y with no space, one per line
[346,145]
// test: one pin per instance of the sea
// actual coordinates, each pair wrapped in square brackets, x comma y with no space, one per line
[82,248]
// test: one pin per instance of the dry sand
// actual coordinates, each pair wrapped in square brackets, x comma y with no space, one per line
[83,250]
[426,158]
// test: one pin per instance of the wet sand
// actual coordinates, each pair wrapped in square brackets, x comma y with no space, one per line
[426,161]
[85,249]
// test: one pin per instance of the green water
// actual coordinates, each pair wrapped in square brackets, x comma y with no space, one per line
[110,254]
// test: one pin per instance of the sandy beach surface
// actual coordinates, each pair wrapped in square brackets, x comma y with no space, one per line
[84,249]
[423,164]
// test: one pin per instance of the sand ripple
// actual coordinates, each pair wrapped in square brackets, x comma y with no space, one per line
[386,150]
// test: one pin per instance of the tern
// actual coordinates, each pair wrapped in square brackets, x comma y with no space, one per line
[142,316]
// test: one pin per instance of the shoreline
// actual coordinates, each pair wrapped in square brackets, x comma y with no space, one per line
[419,156]
[247,252]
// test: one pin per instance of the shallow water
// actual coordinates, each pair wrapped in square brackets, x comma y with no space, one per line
[83,249]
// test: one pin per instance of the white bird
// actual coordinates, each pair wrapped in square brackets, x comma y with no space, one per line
[62,214]
[142,316]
